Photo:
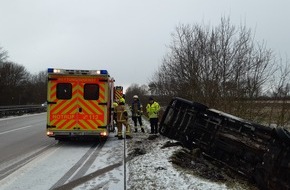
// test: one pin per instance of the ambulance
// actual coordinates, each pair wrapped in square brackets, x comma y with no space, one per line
[79,103]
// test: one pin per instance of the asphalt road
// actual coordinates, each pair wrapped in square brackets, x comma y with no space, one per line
[22,135]
[29,158]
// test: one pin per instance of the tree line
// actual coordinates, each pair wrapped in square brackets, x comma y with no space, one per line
[225,68]
[18,86]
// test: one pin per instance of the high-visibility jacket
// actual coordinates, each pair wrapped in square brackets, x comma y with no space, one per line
[122,100]
[153,109]
[115,104]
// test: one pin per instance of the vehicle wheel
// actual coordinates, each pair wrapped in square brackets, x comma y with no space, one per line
[62,139]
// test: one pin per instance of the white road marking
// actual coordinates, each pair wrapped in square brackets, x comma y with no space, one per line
[15,129]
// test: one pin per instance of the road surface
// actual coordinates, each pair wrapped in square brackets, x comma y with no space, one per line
[31,160]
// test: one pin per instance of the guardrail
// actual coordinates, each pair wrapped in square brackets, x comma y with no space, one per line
[258,152]
[20,110]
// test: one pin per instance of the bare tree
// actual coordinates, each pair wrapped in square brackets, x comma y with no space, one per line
[135,89]
[38,85]
[279,113]
[17,86]
[12,78]
[3,56]
[217,66]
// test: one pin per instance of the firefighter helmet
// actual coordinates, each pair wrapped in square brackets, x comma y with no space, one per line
[135,96]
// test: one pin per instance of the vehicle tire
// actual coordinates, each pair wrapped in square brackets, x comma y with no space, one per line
[62,139]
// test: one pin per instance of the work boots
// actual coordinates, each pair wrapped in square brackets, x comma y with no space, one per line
[142,129]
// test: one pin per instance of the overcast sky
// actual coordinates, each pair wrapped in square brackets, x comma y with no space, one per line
[129,38]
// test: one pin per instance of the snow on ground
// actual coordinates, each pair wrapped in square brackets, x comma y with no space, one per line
[45,170]
[112,153]
[148,167]
[154,171]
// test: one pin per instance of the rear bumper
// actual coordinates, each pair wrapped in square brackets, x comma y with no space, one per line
[51,133]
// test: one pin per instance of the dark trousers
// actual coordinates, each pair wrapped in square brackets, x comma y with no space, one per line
[154,125]
[137,118]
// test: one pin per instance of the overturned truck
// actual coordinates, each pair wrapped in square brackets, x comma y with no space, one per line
[258,152]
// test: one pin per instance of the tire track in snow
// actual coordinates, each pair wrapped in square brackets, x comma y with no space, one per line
[88,177]
[80,168]
[83,179]
[15,166]
[82,171]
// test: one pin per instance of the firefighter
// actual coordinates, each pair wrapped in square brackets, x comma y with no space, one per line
[137,111]
[122,119]
[115,104]
[152,109]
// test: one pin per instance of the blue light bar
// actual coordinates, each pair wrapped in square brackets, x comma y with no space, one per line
[104,72]
[50,70]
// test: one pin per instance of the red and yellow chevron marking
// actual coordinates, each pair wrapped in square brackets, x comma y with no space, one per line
[118,94]
[66,114]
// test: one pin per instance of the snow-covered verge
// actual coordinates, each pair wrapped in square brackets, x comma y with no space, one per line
[152,170]
[156,162]
[153,162]
[151,167]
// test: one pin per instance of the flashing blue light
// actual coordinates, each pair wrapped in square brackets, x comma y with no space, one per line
[104,72]
[50,70]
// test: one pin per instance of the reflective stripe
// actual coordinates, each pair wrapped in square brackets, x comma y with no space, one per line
[77,112]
